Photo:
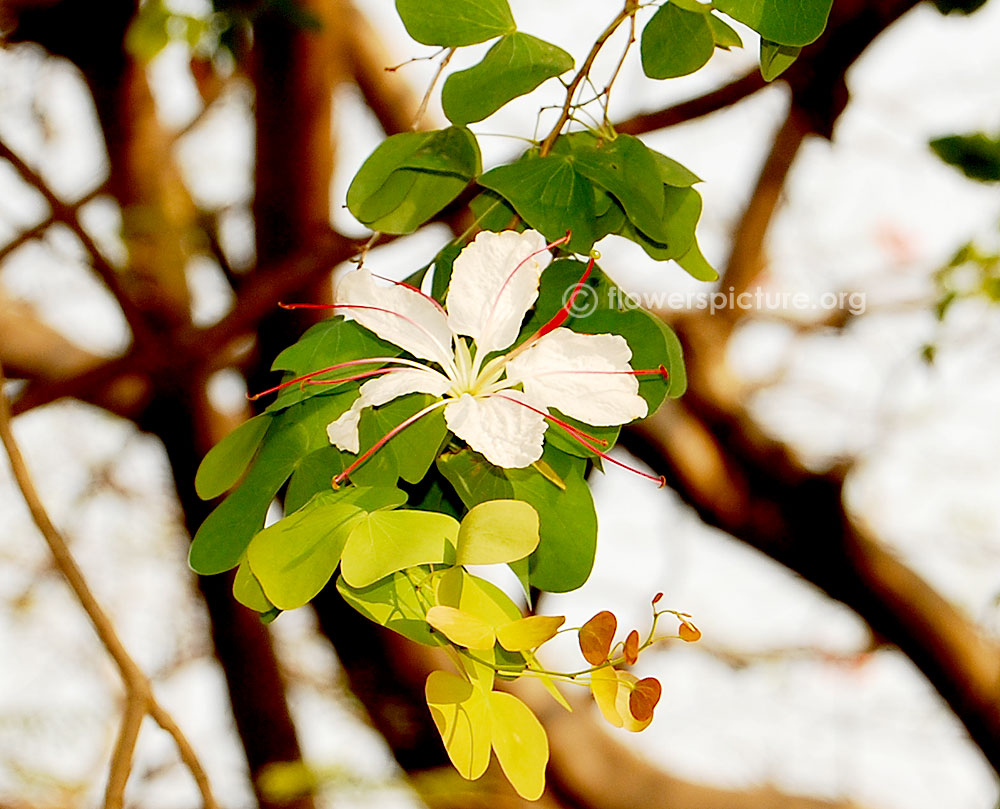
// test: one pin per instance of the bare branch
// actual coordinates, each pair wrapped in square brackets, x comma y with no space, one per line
[139,691]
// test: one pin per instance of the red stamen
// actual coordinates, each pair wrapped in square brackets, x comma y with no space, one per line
[412,288]
[661,371]
[510,277]
[306,305]
[305,378]
[575,432]
[561,316]
[582,437]
[340,478]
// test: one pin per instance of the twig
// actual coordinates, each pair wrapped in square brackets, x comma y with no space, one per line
[430,89]
[37,230]
[631,6]
[139,692]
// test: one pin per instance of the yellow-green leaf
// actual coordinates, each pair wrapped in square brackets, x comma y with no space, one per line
[247,590]
[386,541]
[461,628]
[520,743]
[604,687]
[460,713]
[497,531]
[529,633]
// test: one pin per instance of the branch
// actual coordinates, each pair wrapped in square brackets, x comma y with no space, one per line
[61,212]
[138,689]
[685,111]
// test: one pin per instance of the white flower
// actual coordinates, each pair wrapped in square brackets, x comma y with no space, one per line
[499,406]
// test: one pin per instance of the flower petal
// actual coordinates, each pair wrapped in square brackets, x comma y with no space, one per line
[343,433]
[507,433]
[581,375]
[395,313]
[493,284]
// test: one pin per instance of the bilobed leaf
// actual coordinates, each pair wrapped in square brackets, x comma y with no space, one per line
[626,687]
[497,531]
[604,687]
[295,557]
[596,636]
[331,342]
[775,59]
[301,429]
[461,714]
[529,633]
[676,231]
[411,176]
[977,155]
[461,628]
[520,743]
[410,453]
[314,475]
[642,701]
[226,461]
[471,594]
[724,34]
[550,195]
[454,23]
[676,42]
[631,650]
[247,590]
[386,541]
[788,22]
[673,173]
[514,66]
[696,265]
[393,603]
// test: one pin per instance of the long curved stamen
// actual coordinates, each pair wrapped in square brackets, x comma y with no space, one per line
[338,479]
[305,378]
[661,371]
[412,288]
[445,360]
[503,287]
[585,440]
[575,432]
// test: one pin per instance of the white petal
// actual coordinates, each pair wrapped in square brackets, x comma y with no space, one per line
[493,284]
[507,433]
[343,432]
[397,314]
[575,373]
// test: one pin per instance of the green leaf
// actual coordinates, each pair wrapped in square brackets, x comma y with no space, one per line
[493,212]
[549,195]
[673,173]
[313,475]
[696,265]
[393,603]
[676,42]
[958,6]
[331,342]
[460,713]
[724,34]
[775,59]
[626,168]
[386,541]
[515,65]
[295,558]
[977,155]
[293,434]
[454,23]
[682,209]
[497,531]
[787,22]
[520,743]
[226,461]
[411,176]
[409,453]
[247,590]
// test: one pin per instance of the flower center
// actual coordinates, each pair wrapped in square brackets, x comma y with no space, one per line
[472,379]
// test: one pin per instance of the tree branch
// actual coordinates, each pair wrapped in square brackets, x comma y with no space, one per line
[138,688]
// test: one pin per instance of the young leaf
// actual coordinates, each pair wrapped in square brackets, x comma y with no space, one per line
[689,632]
[775,59]
[461,714]
[226,461]
[247,590]
[529,633]
[460,589]
[549,194]
[626,687]
[643,698]
[788,22]
[676,42]
[596,636]
[386,541]
[462,628]
[514,66]
[520,743]
[497,531]
[604,687]
[393,603]
[631,651]
[454,23]
[294,558]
